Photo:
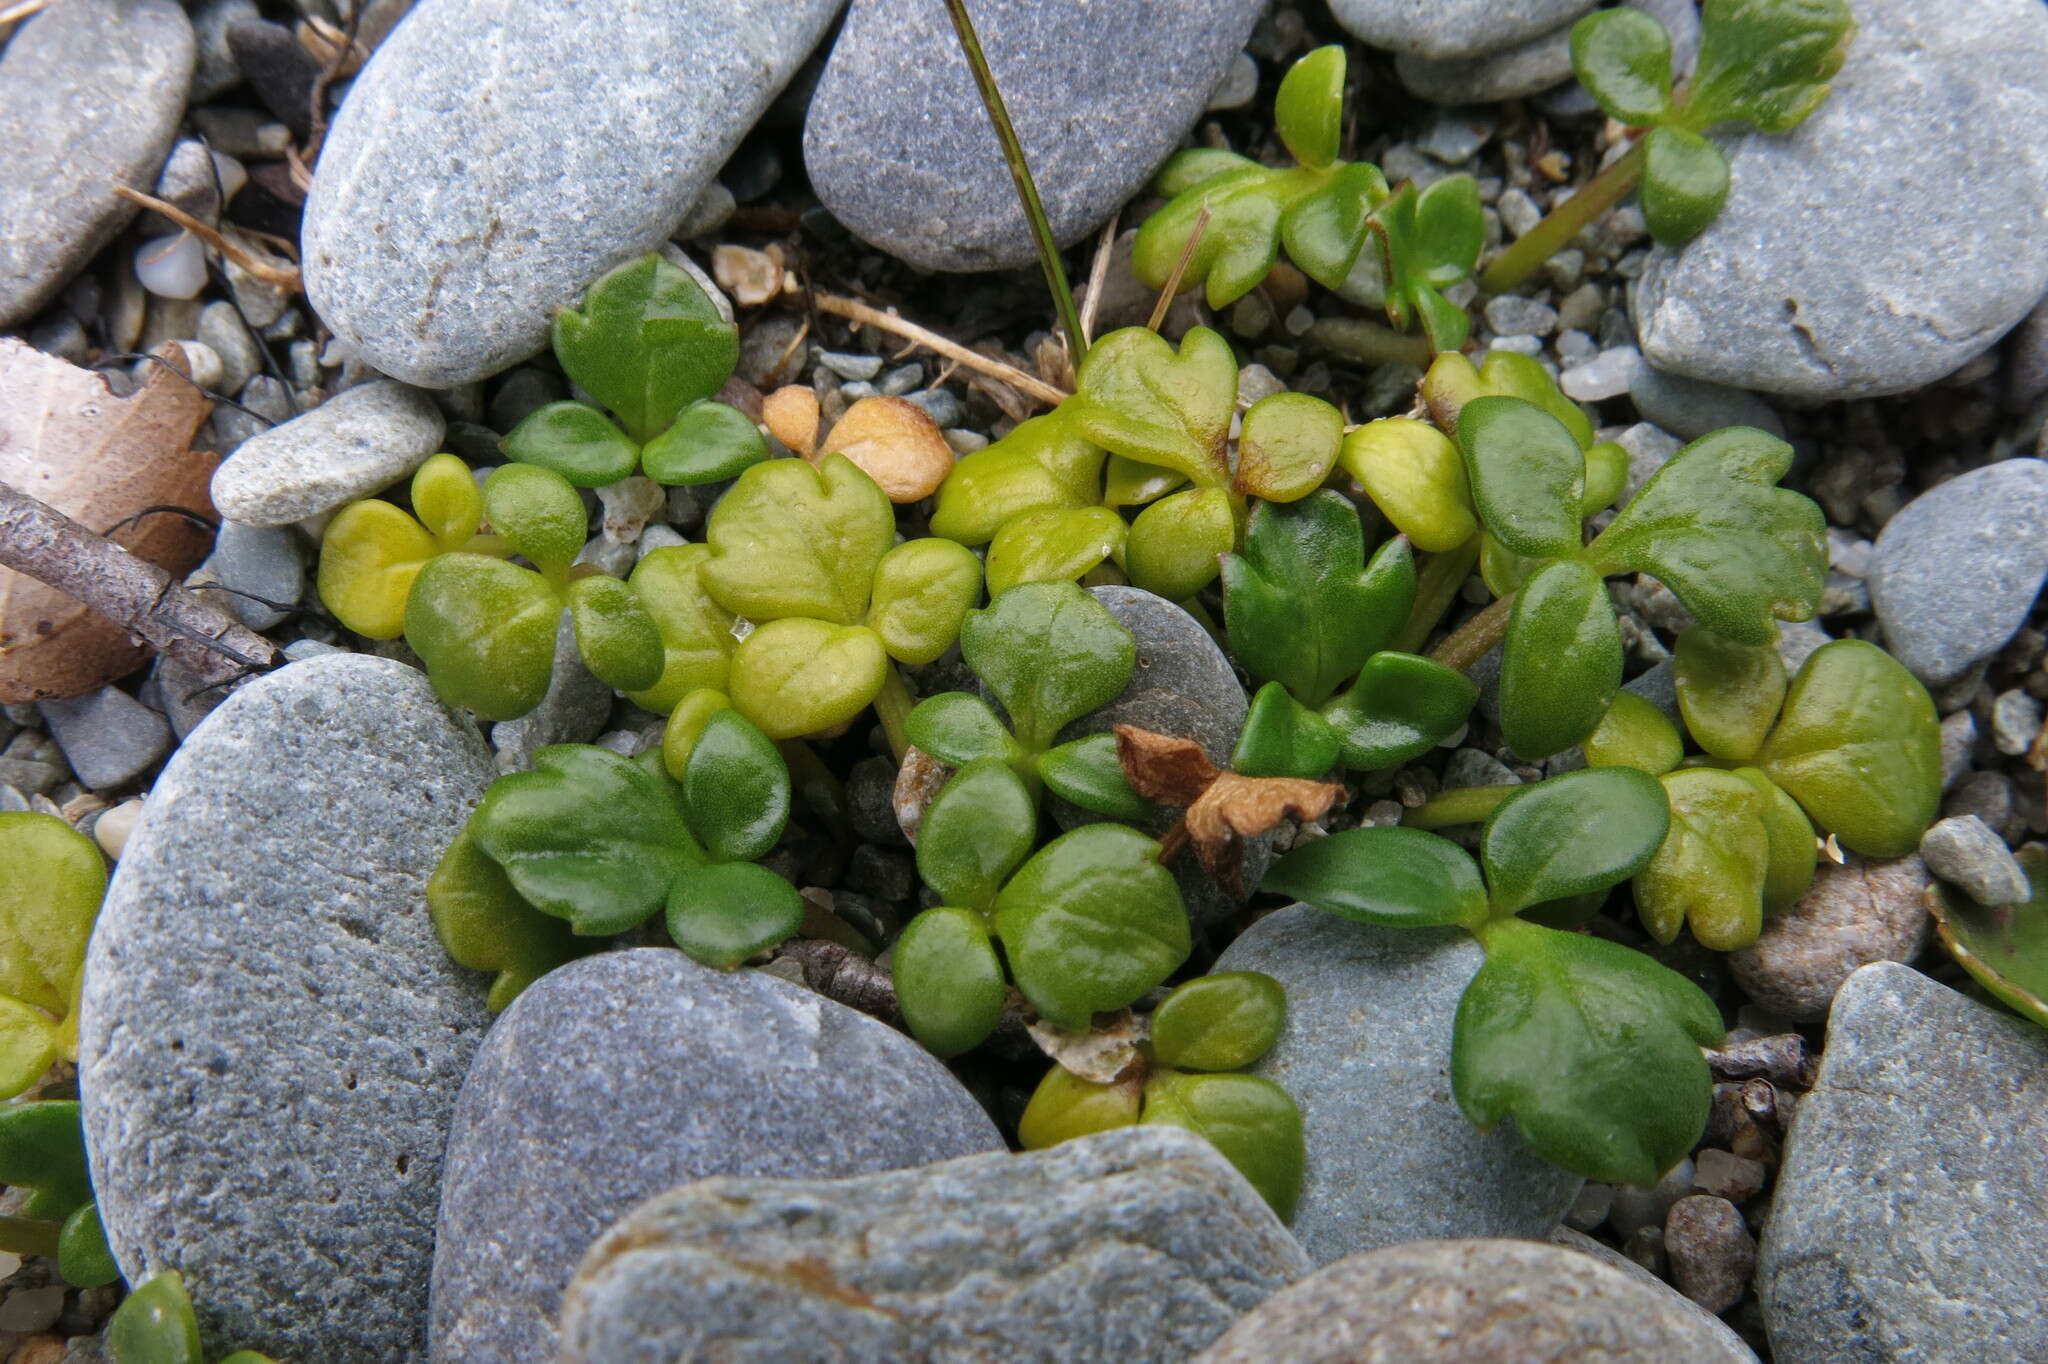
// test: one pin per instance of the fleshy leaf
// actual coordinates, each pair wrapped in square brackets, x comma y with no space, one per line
[155,1324]
[1325,229]
[707,442]
[923,589]
[83,1256]
[1175,545]
[976,831]
[1401,706]
[696,632]
[1053,546]
[1051,653]
[957,727]
[1283,738]
[447,501]
[1634,733]
[1710,869]
[948,980]
[1193,166]
[574,440]
[646,342]
[1402,878]
[1222,1021]
[52,879]
[1237,248]
[1139,399]
[485,925]
[1623,58]
[1572,834]
[1309,109]
[1562,660]
[1729,694]
[486,631]
[1252,1121]
[1134,483]
[799,676]
[1794,851]
[1287,447]
[685,727]
[792,540]
[1685,184]
[1088,773]
[615,635]
[1043,465]
[1416,476]
[1528,475]
[370,558]
[538,513]
[1065,1106]
[735,789]
[2004,948]
[1452,382]
[42,1150]
[725,912]
[1766,62]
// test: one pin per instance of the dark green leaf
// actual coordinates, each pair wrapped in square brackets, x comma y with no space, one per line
[723,913]
[573,440]
[947,979]
[1283,738]
[1767,62]
[1252,1121]
[1403,878]
[1051,653]
[1572,834]
[1528,475]
[975,833]
[614,633]
[646,343]
[1222,1021]
[155,1324]
[1400,707]
[1088,773]
[83,1257]
[1450,229]
[707,442]
[1325,230]
[2004,948]
[42,1150]
[486,631]
[1623,58]
[1685,183]
[1710,869]
[1561,665]
[736,789]
[485,925]
[1729,694]
[538,513]
[1140,399]
[1592,1048]
[1309,110]
[957,727]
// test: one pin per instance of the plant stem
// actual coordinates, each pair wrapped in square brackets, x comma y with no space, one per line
[1466,805]
[1475,636]
[1020,171]
[1564,222]
[1369,342]
[1436,587]
[892,706]
[29,1235]
[1028,384]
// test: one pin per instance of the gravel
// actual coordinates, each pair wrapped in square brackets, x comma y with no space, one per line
[353,445]
[1855,914]
[1967,853]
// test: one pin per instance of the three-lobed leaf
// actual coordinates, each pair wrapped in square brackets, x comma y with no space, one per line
[790,539]
[1710,870]
[1050,653]
[1729,694]
[646,342]
[1766,62]
[1139,398]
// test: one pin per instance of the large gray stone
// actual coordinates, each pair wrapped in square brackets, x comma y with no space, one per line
[1805,285]
[1477,1302]
[1367,1056]
[623,1075]
[901,150]
[1908,1220]
[1955,572]
[492,160]
[1454,28]
[1134,1245]
[356,443]
[90,96]
[271,1037]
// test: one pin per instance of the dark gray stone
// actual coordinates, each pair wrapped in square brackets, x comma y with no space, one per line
[1454,28]
[489,163]
[573,711]
[1137,1244]
[262,561]
[1515,72]
[108,736]
[356,443]
[1955,572]
[902,152]
[90,95]
[1968,853]
[623,1075]
[1907,1219]
[1689,408]
[271,1036]
[1804,286]
[1367,1055]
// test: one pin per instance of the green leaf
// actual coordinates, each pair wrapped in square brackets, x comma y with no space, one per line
[646,343]
[725,912]
[1091,923]
[1859,746]
[2004,948]
[708,441]
[1309,110]
[1088,773]
[1729,694]
[1252,1121]
[1766,62]
[1635,734]
[1452,382]
[42,1150]
[1288,446]
[686,726]
[1175,544]
[1443,322]
[1402,878]
[1401,706]
[83,1257]
[1562,661]
[735,789]
[574,440]
[1450,229]
[1325,229]
[1606,476]
[1710,869]
[1623,58]
[1528,475]
[1685,183]
[1193,166]
[957,727]
[1241,241]
[1053,546]
[486,631]
[587,836]
[1043,465]
[614,633]
[1432,240]
[447,501]
[155,1324]
[1051,653]
[1065,1106]
[948,981]
[540,515]
[1740,553]
[1572,834]
[1416,476]
[923,589]
[1592,1048]
[696,632]
[1222,1021]
[485,925]
[1794,851]
[797,677]
[792,540]
[1139,399]
[976,831]
[1283,738]
[370,557]
[52,879]
[1132,483]
[29,1043]
[1303,608]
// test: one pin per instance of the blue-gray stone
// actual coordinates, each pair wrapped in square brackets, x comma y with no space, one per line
[263,562]
[108,736]
[1445,29]
[271,1036]
[1690,408]
[357,443]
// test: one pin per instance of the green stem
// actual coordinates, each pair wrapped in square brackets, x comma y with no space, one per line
[29,1235]
[1369,342]
[1027,189]
[1466,805]
[1472,639]
[892,706]
[1436,587]
[1564,222]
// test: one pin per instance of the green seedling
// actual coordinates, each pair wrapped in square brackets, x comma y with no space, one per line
[42,1151]
[1591,1047]
[155,1324]
[1229,215]
[1207,1027]
[2003,947]
[1763,63]
[52,879]
[651,346]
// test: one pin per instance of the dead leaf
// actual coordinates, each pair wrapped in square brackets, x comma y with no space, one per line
[791,416]
[66,440]
[1162,768]
[1104,1054]
[896,443]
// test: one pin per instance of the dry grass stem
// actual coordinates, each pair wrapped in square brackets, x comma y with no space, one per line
[855,311]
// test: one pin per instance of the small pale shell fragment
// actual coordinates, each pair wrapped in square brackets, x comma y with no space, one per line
[918,782]
[791,415]
[112,829]
[751,277]
[898,445]
[173,266]
[629,505]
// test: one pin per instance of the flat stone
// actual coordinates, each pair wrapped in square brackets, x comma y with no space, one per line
[1854,914]
[1955,572]
[262,561]
[1454,28]
[623,1075]
[489,163]
[1367,1055]
[1907,1220]
[91,92]
[1968,853]
[1690,408]
[1804,286]
[1514,72]
[356,443]
[108,736]
[271,1035]
[1137,1244]
[901,150]
[572,712]
[1476,1302]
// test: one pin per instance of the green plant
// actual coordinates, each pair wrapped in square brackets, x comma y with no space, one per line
[2004,948]
[1591,1047]
[52,879]
[1765,63]
[155,1324]
[42,1151]
[650,345]
[1228,215]
[1204,1029]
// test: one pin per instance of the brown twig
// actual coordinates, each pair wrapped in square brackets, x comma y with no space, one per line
[856,311]
[21,11]
[1098,275]
[1180,267]
[283,276]
[842,974]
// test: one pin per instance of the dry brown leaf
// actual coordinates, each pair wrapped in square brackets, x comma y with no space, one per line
[1161,768]
[66,440]
[791,415]
[1103,1054]
[896,443]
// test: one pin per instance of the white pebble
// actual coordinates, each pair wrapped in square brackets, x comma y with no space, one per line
[112,829]
[172,267]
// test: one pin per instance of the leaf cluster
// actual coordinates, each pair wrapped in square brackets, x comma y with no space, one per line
[52,879]
[42,1153]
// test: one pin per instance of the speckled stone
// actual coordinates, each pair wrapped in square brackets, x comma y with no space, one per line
[1907,1222]
[1454,28]
[355,444]
[271,1036]
[1138,1244]
[623,1075]
[1367,1055]
[1854,914]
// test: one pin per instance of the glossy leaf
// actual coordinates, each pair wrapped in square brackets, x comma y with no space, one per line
[1241,241]
[735,789]
[29,1043]
[42,1150]
[538,513]
[155,1324]
[1176,544]
[1572,834]
[1562,661]
[686,725]
[1634,733]
[1065,1106]
[957,727]
[696,632]
[1623,58]
[575,441]
[1193,166]
[370,557]
[789,539]
[923,589]
[1685,184]
[485,925]
[1402,878]
[646,342]
[1606,476]
[1087,773]
[486,631]
[1431,240]
[615,635]
[1091,923]
[1766,62]
[83,1257]
[707,442]
[1053,546]
[587,836]
[1859,746]
[1252,1121]
[1729,694]
[1308,112]
[1138,398]
[1043,465]
[976,831]
[797,677]
[1051,653]
[1288,445]
[1222,1021]
[2005,949]
[1325,229]
[1528,475]
[1793,849]
[1710,869]
[52,879]
[1283,738]
[1133,483]
[1416,476]
[948,980]
[1452,382]
[1592,1048]
[1401,706]
[446,499]
[1449,230]
[724,912]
